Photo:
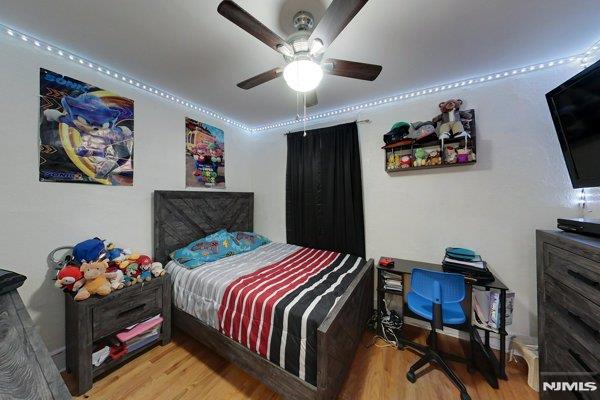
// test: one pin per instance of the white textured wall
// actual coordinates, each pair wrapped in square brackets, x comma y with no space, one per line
[36,217]
[519,184]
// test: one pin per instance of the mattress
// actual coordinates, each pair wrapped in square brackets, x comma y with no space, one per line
[271,300]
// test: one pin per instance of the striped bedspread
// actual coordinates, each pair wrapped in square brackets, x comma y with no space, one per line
[271,300]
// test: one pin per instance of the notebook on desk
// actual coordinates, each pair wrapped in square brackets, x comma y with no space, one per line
[468,263]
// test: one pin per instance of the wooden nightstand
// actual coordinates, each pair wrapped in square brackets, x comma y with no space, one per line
[90,321]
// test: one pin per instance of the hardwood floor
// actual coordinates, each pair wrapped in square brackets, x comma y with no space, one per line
[185,369]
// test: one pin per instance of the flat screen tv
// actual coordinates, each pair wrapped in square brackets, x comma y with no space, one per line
[575,109]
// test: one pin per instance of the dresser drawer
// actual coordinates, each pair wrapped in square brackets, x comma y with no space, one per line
[140,302]
[566,354]
[576,272]
[577,315]
[567,361]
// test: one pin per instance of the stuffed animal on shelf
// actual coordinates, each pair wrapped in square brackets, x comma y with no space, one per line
[391,164]
[69,278]
[465,156]
[397,161]
[420,157]
[145,273]
[157,269]
[449,121]
[406,161]
[451,156]
[131,273]
[96,280]
[116,277]
[129,258]
[434,158]
[128,281]
[89,250]
[116,254]
[145,264]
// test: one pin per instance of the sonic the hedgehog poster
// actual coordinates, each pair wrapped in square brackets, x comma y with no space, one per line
[205,155]
[86,133]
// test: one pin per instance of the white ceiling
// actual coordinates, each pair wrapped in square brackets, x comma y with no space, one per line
[185,47]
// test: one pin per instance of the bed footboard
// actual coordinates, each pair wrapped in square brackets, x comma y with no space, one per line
[340,333]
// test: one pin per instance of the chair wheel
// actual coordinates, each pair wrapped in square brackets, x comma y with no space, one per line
[465,396]
[411,377]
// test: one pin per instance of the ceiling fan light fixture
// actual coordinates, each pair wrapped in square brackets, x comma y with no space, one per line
[303,75]
[316,46]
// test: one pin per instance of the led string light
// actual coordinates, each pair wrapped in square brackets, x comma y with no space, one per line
[584,59]
[123,78]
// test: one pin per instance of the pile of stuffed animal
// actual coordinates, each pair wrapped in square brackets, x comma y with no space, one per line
[91,267]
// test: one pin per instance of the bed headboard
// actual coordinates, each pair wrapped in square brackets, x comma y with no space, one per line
[180,217]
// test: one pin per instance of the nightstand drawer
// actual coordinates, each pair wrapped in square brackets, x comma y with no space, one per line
[113,315]
[578,273]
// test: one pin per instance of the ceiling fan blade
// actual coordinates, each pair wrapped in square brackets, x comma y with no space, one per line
[247,22]
[338,15]
[311,98]
[352,69]
[260,78]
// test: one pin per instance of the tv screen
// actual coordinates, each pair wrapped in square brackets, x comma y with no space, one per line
[575,108]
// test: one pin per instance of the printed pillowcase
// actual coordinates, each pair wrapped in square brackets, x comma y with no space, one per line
[210,248]
[219,245]
[248,241]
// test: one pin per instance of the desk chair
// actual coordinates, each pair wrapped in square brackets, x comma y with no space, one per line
[436,296]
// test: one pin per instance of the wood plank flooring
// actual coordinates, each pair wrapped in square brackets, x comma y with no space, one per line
[185,369]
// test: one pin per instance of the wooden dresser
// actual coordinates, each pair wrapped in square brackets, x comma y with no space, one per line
[568,273]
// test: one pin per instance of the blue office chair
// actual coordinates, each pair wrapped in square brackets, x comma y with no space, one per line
[436,296]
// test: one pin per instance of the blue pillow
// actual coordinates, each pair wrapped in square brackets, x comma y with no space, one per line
[248,241]
[210,248]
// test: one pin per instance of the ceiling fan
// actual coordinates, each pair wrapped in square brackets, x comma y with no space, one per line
[303,50]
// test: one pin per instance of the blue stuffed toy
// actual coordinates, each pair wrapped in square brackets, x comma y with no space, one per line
[89,250]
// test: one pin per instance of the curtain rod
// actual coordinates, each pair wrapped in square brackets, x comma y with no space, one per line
[362,121]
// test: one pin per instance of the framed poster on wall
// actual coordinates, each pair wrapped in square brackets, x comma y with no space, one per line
[204,155]
[86,133]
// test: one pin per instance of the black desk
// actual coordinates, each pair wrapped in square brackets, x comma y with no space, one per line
[404,267]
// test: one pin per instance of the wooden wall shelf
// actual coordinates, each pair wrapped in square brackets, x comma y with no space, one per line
[408,148]
[431,167]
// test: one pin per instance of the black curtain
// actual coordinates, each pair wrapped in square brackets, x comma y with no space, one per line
[324,204]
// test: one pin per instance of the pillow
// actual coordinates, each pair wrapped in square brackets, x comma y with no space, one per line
[248,241]
[210,248]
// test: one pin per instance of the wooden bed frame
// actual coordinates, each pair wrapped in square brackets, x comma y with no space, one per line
[183,216]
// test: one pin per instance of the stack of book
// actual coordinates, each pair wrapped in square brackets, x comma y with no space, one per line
[466,262]
[140,335]
[392,282]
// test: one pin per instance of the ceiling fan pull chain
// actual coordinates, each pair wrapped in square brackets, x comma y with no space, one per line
[304,119]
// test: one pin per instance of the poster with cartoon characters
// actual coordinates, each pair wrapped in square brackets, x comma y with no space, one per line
[86,133]
[204,155]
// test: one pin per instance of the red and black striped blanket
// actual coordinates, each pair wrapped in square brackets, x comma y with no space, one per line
[276,310]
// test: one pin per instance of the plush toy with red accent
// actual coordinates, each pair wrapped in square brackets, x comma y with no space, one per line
[69,278]
[145,264]
[115,277]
